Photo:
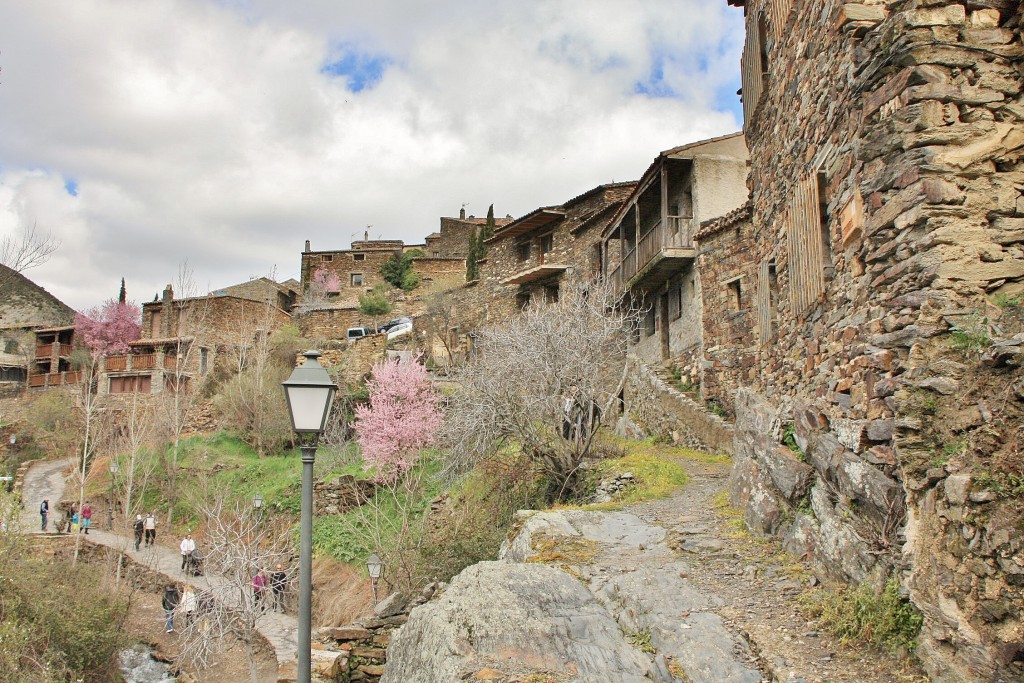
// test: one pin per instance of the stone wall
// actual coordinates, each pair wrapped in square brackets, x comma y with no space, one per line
[664,411]
[364,258]
[440,271]
[728,308]
[896,127]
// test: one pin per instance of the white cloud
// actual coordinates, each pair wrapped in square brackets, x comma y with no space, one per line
[208,132]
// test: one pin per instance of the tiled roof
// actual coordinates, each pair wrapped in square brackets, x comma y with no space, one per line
[710,227]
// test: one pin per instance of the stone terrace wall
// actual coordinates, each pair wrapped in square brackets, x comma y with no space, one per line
[911,112]
[664,411]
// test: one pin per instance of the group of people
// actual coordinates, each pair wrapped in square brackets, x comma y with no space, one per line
[268,593]
[144,525]
[274,585]
[74,521]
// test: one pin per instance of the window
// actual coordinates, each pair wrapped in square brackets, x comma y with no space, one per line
[358,257]
[650,322]
[522,300]
[10,346]
[172,383]
[437,254]
[356,279]
[131,384]
[154,325]
[551,294]
[735,296]
[754,65]
[523,250]
[204,360]
[675,301]
[596,260]
[327,258]
[808,258]
[826,227]
[547,243]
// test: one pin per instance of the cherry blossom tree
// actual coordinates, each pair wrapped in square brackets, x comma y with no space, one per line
[401,418]
[106,329]
[323,283]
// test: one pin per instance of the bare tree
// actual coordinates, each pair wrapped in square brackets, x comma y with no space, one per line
[130,437]
[238,544]
[192,320]
[28,249]
[543,381]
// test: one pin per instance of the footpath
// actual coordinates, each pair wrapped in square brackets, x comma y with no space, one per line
[45,480]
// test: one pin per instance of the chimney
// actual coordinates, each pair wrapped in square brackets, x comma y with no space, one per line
[462,213]
[168,293]
[307,247]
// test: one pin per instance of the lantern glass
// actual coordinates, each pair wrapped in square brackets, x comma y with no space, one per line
[310,393]
[257,501]
[374,566]
[114,467]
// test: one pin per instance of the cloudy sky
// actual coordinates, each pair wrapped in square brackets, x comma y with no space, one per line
[145,134]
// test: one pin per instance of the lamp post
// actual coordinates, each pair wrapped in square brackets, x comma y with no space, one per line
[257,505]
[114,469]
[309,393]
[374,567]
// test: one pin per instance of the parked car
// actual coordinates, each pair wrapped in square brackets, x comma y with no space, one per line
[392,323]
[399,330]
[359,332]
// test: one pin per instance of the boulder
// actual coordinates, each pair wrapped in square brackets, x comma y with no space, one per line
[513,617]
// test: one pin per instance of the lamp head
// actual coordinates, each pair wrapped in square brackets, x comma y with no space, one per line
[114,467]
[257,501]
[374,566]
[309,393]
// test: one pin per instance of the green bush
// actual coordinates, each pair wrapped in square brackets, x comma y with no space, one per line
[56,629]
[860,615]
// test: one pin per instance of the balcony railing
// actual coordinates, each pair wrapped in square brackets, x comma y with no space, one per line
[170,362]
[65,349]
[115,363]
[54,379]
[145,361]
[44,350]
[676,232]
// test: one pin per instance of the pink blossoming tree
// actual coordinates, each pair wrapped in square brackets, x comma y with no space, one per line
[106,329]
[401,419]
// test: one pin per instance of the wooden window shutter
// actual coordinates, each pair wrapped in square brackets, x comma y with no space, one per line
[751,68]
[806,251]
[764,301]
[778,12]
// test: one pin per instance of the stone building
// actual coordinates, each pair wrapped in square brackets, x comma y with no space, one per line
[648,248]
[280,294]
[26,308]
[883,298]
[184,339]
[453,239]
[357,268]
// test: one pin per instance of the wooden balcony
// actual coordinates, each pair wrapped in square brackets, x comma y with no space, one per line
[55,379]
[115,363]
[44,350]
[144,361]
[65,349]
[171,363]
[659,253]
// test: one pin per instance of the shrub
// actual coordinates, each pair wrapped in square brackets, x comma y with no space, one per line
[860,614]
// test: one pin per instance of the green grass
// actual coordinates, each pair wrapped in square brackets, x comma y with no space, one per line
[655,466]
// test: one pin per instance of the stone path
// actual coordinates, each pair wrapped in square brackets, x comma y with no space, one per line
[45,479]
[756,587]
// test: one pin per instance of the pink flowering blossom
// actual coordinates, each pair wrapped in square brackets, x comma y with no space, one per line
[106,329]
[401,419]
[327,281]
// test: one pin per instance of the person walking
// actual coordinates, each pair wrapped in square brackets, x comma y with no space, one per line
[86,517]
[150,526]
[188,546]
[44,510]
[138,528]
[259,589]
[75,525]
[170,603]
[189,602]
[278,579]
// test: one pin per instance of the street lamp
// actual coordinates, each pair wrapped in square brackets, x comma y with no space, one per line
[257,504]
[114,469]
[309,393]
[374,567]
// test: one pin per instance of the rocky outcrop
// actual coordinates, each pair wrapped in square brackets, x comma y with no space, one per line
[592,596]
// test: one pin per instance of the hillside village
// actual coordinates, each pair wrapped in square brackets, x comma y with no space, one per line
[834,297]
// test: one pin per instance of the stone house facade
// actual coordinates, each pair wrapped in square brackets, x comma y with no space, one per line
[358,268]
[183,340]
[452,241]
[648,248]
[887,262]
[728,358]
